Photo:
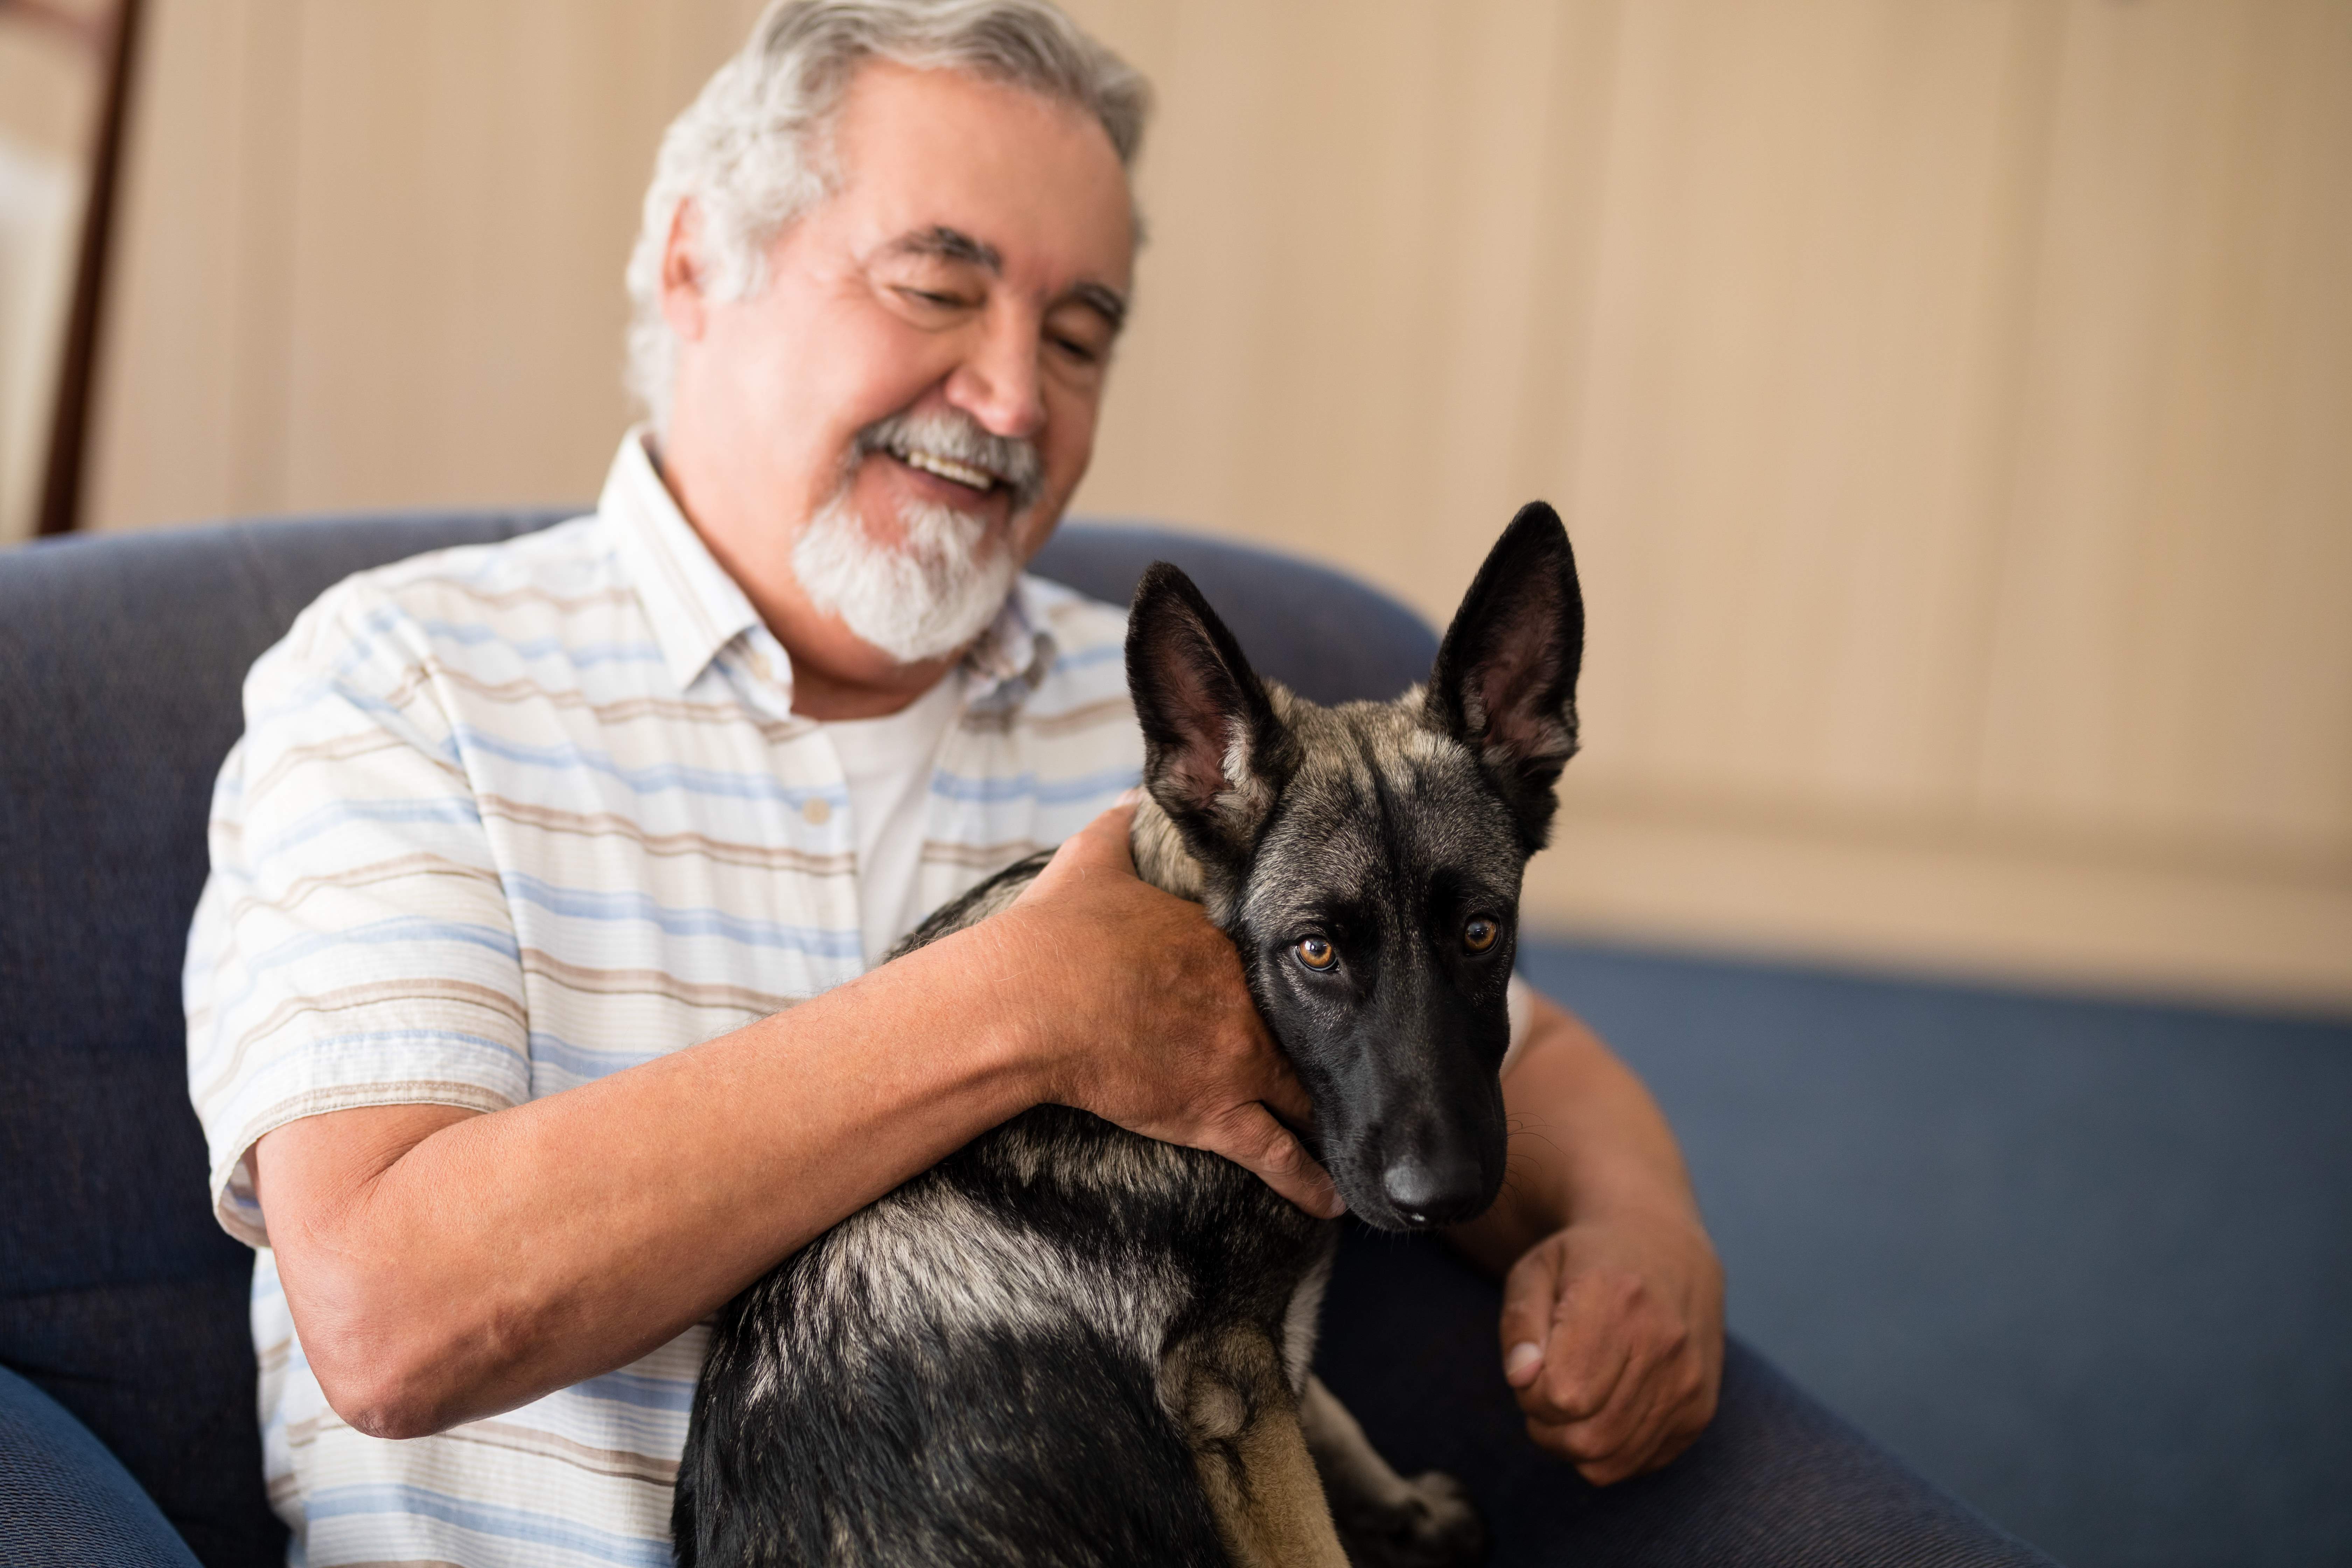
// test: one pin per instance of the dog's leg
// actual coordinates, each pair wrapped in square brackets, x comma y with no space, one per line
[1238,1412]
[1385,1520]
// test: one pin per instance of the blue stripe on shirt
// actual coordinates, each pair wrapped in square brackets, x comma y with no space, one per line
[655,776]
[1027,787]
[579,903]
[455,809]
[486,1519]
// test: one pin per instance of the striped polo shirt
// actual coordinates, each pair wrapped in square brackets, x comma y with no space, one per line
[509,818]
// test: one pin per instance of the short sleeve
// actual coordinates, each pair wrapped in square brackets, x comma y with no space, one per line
[353,945]
[1521,998]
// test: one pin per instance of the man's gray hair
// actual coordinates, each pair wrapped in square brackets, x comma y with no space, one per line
[752,150]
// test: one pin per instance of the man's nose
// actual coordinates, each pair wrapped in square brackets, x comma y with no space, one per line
[998,382]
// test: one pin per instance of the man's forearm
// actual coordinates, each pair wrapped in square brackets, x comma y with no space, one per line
[1587,1142]
[444,1266]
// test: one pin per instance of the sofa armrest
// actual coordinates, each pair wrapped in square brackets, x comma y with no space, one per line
[65,1500]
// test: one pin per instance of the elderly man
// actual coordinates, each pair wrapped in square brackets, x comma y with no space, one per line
[532,1004]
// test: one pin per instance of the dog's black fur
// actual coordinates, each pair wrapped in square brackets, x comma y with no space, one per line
[1029,1354]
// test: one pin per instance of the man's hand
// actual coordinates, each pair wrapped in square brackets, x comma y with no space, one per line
[1613,1337]
[1613,1299]
[1153,1026]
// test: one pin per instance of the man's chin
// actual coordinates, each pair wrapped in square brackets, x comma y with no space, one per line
[909,635]
[924,599]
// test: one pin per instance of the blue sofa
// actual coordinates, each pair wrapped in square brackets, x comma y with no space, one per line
[127,1415]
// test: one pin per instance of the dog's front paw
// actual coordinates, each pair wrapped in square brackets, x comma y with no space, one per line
[1433,1524]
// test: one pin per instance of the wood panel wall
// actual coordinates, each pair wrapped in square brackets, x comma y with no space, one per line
[49,86]
[1948,398]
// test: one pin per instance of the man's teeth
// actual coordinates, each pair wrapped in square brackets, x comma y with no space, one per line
[949,468]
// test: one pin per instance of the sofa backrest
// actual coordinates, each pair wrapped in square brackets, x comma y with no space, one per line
[120,662]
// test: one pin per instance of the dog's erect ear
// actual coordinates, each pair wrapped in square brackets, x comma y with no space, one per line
[1505,683]
[1215,754]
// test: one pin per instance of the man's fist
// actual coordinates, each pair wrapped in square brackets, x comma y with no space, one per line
[1612,1339]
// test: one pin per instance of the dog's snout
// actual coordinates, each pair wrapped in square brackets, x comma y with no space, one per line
[1432,1192]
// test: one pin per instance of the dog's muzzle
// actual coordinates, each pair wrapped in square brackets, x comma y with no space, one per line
[1433,1194]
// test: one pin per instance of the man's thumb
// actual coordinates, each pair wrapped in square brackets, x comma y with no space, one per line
[1103,841]
[1099,846]
[1528,1292]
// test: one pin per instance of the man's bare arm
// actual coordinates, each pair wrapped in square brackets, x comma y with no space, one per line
[442,1265]
[1612,1301]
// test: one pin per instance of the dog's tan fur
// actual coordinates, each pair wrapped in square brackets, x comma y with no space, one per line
[1242,1418]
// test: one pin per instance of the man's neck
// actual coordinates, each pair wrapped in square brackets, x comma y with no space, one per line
[819,695]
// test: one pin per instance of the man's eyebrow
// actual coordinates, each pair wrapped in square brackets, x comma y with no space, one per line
[945,244]
[949,245]
[1104,300]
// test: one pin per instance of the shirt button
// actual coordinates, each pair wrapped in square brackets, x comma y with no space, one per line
[816,811]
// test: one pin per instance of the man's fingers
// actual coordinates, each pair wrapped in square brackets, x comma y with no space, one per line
[1530,1292]
[1625,1438]
[1622,1413]
[1594,1349]
[1563,1350]
[1601,1465]
[1252,1138]
[1285,1094]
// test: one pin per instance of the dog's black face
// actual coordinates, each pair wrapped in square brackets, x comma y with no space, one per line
[1367,859]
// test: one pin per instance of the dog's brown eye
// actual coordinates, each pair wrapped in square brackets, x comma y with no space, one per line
[1317,954]
[1480,933]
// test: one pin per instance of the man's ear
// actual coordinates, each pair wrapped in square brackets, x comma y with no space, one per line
[1504,682]
[682,272]
[1215,754]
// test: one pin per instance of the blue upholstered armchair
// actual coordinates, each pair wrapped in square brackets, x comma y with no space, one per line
[127,1431]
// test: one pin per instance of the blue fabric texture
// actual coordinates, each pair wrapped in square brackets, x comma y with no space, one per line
[2087,1262]
[65,1500]
[1776,1481]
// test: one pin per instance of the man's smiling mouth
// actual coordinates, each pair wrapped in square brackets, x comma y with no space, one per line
[954,449]
[948,468]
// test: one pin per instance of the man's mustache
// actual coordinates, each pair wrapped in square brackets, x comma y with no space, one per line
[1010,460]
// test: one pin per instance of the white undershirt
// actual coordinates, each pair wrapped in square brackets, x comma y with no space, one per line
[887,764]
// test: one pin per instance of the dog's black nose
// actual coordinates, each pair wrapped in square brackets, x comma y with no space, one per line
[1423,1193]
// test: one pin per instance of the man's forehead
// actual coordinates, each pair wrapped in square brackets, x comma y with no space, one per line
[965,170]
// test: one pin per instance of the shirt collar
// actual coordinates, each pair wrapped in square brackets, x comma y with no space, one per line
[696,609]
[1013,655]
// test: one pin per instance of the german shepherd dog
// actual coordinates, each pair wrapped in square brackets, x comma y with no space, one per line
[1067,1344]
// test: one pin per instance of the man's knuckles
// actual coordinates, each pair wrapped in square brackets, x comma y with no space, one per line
[1588,1444]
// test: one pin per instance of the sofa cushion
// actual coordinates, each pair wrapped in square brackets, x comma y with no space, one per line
[64,1500]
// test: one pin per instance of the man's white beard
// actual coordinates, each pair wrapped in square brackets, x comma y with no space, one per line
[920,600]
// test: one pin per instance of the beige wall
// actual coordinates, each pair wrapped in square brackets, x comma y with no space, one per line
[1948,397]
[49,83]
